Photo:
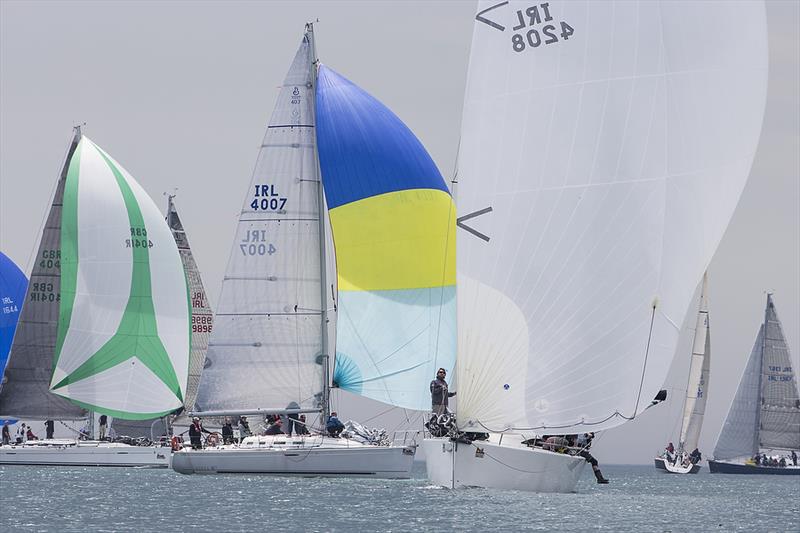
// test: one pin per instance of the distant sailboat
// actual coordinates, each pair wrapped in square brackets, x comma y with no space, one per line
[764,418]
[105,324]
[202,321]
[694,407]
[13,284]
[392,221]
[604,147]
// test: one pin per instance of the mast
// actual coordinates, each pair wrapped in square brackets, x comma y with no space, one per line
[326,392]
[761,376]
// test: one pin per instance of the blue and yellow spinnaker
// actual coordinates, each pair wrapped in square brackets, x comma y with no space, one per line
[393,223]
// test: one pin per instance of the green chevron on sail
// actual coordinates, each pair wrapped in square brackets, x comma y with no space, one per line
[123,339]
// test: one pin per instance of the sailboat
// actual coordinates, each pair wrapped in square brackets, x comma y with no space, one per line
[106,319]
[392,221]
[763,422]
[604,147]
[694,406]
[12,293]
[202,322]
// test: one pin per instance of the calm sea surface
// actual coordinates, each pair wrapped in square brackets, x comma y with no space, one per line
[638,499]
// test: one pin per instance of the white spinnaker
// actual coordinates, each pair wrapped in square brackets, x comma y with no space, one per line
[699,374]
[612,161]
[104,286]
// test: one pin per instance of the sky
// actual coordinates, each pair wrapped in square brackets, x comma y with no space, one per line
[180,93]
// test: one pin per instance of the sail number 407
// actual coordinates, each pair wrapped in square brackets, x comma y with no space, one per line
[536,36]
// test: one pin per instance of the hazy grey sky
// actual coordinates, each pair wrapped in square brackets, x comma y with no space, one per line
[180,93]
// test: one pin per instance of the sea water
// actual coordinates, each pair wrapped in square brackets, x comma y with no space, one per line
[638,499]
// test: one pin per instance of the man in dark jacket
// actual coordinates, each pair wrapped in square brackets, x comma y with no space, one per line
[439,393]
[196,431]
[334,426]
[103,425]
[49,428]
[227,432]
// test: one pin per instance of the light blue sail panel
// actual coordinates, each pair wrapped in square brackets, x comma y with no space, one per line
[13,284]
[393,223]
[389,343]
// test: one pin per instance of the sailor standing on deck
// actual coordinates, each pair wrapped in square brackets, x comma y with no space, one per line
[440,393]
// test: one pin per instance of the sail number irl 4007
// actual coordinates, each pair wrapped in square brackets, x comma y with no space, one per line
[266,199]
[536,27]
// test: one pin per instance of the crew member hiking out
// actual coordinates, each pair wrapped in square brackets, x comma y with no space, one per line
[584,442]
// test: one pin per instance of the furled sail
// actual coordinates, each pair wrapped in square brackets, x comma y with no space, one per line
[25,392]
[779,416]
[694,407]
[604,148]
[393,223]
[265,348]
[13,284]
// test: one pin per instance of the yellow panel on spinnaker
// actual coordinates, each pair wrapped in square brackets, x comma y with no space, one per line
[398,240]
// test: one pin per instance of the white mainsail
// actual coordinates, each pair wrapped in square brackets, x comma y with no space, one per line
[265,348]
[604,148]
[699,376]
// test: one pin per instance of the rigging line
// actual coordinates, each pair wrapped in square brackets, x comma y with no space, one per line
[380,414]
[644,366]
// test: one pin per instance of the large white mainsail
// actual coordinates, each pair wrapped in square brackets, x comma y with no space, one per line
[265,350]
[604,147]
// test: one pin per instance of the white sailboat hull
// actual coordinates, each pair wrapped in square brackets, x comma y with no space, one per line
[61,452]
[497,465]
[313,457]
[665,466]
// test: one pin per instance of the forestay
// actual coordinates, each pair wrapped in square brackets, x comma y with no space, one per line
[604,147]
[265,348]
[393,223]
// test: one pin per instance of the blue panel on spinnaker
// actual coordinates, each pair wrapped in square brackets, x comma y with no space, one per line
[13,284]
[364,149]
